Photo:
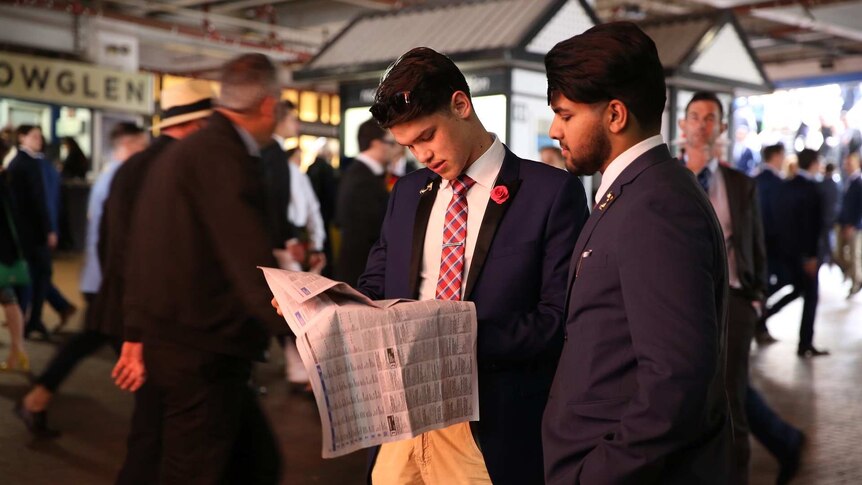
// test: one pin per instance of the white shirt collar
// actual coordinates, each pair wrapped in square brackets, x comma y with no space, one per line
[250,145]
[279,140]
[772,169]
[30,152]
[372,164]
[623,161]
[806,175]
[485,169]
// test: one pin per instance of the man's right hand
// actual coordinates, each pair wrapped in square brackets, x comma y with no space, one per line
[810,266]
[274,304]
[296,250]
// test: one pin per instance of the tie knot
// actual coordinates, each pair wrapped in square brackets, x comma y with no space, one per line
[462,184]
[703,178]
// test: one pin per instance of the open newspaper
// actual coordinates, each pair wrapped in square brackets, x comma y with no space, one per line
[381,371]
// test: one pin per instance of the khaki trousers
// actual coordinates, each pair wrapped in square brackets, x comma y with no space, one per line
[447,456]
[848,255]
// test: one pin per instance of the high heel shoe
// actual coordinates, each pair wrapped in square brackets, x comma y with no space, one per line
[20,364]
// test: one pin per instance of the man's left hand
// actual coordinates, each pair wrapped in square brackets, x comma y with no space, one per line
[129,374]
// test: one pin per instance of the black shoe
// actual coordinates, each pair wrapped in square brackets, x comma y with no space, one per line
[808,352]
[764,338]
[789,467]
[36,423]
[37,331]
[65,316]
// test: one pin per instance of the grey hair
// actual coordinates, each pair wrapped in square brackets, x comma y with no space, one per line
[246,80]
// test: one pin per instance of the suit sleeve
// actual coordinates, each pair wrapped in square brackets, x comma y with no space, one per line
[372,283]
[814,209]
[761,271]
[28,183]
[668,258]
[228,197]
[526,336]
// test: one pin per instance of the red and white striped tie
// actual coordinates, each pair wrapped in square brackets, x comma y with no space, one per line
[454,241]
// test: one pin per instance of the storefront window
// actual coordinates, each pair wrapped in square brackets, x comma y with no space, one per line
[308,106]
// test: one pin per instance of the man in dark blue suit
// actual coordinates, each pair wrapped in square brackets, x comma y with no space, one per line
[639,395]
[799,213]
[849,252]
[768,182]
[510,257]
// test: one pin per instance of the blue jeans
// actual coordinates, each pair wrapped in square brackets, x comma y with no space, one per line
[775,434]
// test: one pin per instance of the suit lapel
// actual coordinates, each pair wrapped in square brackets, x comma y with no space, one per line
[420,224]
[614,193]
[734,197]
[494,213]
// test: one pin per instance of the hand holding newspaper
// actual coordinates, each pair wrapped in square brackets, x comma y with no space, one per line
[381,371]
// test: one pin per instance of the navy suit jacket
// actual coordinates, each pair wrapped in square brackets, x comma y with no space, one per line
[767,189]
[851,204]
[517,281]
[639,396]
[799,212]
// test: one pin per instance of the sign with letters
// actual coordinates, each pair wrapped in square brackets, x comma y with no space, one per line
[75,84]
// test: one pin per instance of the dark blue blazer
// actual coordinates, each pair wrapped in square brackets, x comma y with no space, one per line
[767,189]
[851,204]
[799,213]
[639,396]
[517,280]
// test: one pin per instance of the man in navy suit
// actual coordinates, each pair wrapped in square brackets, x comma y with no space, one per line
[849,252]
[479,224]
[639,393]
[768,182]
[799,213]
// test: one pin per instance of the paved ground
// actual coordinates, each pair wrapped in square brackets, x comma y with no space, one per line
[822,396]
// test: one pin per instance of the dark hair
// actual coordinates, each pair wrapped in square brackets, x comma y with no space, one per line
[616,60]
[806,158]
[24,130]
[772,150]
[707,96]
[284,108]
[830,167]
[421,82]
[124,128]
[4,149]
[368,132]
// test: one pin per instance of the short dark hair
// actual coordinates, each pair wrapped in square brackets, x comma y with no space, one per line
[284,108]
[806,158]
[616,60]
[124,128]
[707,96]
[24,130]
[421,82]
[829,168]
[369,131]
[772,150]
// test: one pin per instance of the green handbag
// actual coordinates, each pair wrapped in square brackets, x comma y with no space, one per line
[17,273]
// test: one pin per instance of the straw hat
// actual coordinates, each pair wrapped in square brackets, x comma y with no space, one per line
[186,101]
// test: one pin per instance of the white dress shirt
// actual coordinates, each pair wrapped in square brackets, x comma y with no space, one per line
[623,161]
[484,171]
[304,208]
[376,167]
[721,205]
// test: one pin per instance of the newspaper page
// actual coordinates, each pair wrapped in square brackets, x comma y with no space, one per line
[381,371]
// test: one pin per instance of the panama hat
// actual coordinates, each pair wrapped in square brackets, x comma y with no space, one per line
[186,101]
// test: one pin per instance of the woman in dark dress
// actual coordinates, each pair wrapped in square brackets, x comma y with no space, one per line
[17,358]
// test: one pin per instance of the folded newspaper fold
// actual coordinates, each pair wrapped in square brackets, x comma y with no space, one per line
[381,371]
